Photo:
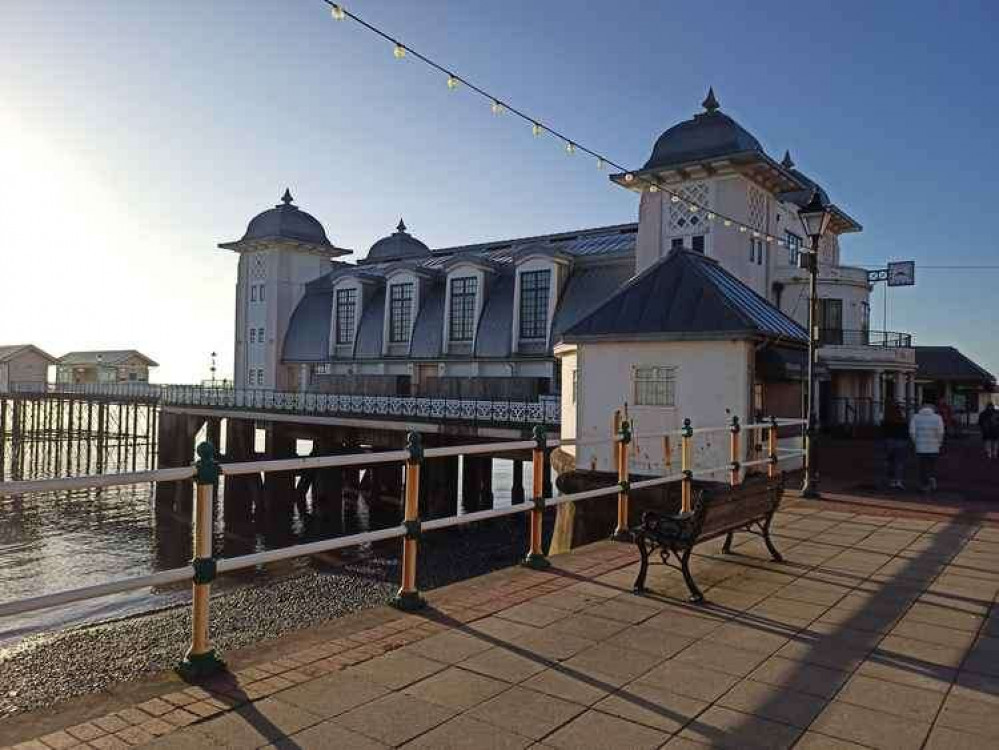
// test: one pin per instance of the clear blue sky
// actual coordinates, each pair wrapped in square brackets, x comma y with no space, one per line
[136,135]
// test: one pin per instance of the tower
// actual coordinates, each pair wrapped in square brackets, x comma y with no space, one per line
[282,250]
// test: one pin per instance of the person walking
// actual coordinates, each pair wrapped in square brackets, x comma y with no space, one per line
[896,435]
[988,423]
[927,432]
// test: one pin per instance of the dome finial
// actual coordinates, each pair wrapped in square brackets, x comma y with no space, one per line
[710,103]
[787,162]
[286,198]
[401,226]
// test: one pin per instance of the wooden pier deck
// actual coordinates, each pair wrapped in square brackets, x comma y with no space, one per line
[877,631]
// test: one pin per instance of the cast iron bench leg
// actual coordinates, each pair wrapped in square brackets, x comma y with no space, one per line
[727,547]
[644,568]
[777,557]
[695,593]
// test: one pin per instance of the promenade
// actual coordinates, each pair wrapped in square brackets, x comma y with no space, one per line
[877,631]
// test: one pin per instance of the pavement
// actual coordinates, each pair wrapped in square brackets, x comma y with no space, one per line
[878,631]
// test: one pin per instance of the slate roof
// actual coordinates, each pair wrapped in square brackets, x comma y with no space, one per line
[601,258]
[288,222]
[108,357]
[10,351]
[947,363]
[685,296]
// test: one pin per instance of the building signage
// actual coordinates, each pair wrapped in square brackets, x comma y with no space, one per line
[898,273]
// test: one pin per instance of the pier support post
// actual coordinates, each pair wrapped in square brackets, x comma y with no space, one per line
[517,488]
[622,532]
[240,437]
[535,556]
[477,482]
[201,660]
[439,480]
[408,598]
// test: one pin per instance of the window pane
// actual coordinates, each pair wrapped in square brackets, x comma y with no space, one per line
[400,312]
[463,308]
[697,243]
[655,386]
[346,304]
[534,288]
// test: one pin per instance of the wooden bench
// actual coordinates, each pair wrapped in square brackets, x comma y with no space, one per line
[749,507]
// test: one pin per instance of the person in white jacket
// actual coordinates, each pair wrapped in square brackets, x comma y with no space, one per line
[927,432]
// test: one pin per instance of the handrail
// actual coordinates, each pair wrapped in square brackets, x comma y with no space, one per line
[201,658]
[229,564]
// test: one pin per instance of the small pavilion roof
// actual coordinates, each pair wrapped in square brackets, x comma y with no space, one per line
[947,363]
[104,356]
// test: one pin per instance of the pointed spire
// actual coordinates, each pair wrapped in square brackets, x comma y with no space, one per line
[710,103]
[401,227]
[787,162]
[286,198]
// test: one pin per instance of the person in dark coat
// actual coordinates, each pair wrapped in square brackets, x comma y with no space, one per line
[895,432]
[988,423]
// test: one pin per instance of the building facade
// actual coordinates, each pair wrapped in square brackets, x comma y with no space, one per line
[481,321]
[712,167]
[23,365]
[104,366]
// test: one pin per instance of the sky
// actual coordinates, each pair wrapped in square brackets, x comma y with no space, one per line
[137,135]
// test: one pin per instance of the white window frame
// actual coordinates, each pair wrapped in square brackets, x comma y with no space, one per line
[654,376]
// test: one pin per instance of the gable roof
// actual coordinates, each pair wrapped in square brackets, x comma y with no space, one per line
[947,363]
[685,296]
[107,357]
[10,351]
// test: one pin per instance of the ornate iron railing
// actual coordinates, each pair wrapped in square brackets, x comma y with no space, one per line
[841,337]
[547,410]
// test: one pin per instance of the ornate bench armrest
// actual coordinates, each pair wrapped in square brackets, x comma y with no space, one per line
[667,526]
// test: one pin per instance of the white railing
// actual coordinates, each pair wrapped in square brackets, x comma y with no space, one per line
[547,410]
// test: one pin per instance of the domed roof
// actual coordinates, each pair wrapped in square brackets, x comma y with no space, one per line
[708,135]
[397,246]
[286,221]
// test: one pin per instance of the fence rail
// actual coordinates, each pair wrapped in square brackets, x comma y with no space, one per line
[201,658]
[546,411]
[841,337]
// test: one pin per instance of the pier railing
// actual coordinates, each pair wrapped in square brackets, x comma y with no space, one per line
[201,658]
[546,410]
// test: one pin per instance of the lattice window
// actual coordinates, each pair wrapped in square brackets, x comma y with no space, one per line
[534,286]
[463,308]
[346,310]
[757,201]
[655,386]
[682,220]
[258,266]
[400,312]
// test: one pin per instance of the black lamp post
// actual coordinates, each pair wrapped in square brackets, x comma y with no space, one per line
[212,368]
[815,220]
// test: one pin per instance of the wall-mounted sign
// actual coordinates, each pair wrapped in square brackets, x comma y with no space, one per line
[898,273]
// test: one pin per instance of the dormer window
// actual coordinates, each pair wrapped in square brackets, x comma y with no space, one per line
[400,312]
[346,315]
[534,290]
[462,312]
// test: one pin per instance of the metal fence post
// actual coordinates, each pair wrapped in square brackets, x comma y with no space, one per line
[772,449]
[734,446]
[622,533]
[408,598]
[535,556]
[201,660]
[686,485]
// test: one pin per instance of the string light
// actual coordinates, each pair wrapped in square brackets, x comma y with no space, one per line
[339,13]
[693,208]
[653,188]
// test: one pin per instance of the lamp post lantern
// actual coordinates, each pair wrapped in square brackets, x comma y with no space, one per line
[815,218]
[212,368]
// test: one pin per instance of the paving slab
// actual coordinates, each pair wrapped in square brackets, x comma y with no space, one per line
[526,712]
[394,718]
[594,730]
[456,688]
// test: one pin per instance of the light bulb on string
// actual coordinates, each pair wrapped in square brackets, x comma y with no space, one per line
[693,208]
[756,234]
[399,51]
[570,147]
[338,14]
[600,163]
[728,223]
[536,129]
[653,188]
[452,82]
[674,198]
[629,177]
[496,107]
[742,229]
[711,216]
